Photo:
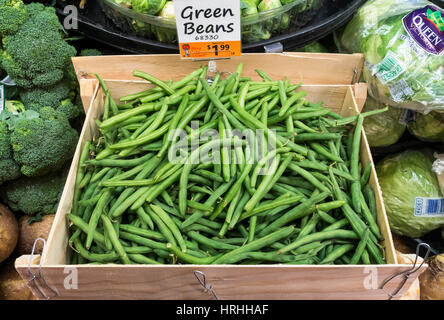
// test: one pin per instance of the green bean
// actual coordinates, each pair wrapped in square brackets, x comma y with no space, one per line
[366,174]
[361,247]
[308,176]
[170,225]
[365,257]
[355,186]
[95,216]
[323,151]
[154,80]
[232,192]
[337,253]
[357,224]
[326,217]
[164,228]
[210,242]
[309,227]
[256,244]
[142,232]
[189,258]
[120,163]
[252,228]
[141,259]
[276,203]
[369,217]
[95,257]
[290,101]
[108,227]
[370,195]
[273,173]
[142,240]
[319,236]
[304,209]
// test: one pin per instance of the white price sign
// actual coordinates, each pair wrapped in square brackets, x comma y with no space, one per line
[208,29]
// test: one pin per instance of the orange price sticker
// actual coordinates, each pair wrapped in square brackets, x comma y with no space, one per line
[206,50]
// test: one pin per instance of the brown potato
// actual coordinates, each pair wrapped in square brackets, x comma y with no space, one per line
[12,286]
[8,232]
[28,233]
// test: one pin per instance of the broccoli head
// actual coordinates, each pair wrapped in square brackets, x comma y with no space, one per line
[12,14]
[36,98]
[34,196]
[43,144]
[90,53]
[37,55]
[9,169]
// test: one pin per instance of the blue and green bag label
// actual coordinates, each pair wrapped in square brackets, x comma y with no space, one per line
[426,27]
[2,97]
[389,68]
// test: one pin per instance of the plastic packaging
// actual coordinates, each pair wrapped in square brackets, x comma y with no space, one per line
[438,168]
[403,43]
[428,127]
[256,25]
[385,128]
[412,196]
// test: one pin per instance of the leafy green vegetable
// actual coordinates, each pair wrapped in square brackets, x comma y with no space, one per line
[43,144]
[148,6]
[429,127]
[34,196]
[12,14]
[399,72]
[382,129]
[44,62]
[402,178]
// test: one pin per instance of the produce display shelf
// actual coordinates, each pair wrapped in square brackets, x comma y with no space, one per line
[110,281]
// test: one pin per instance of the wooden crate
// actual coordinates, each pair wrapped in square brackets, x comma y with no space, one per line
[326,77]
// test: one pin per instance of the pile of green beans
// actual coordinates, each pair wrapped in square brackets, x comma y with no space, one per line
[307,201]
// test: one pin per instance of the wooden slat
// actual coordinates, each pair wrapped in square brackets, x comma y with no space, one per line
[306,67]
[273,282]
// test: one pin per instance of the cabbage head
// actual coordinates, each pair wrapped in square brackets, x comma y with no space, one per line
[398,70]
[403,177]
[428,127]
[382,129]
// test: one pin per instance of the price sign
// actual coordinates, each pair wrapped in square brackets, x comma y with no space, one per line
[208,29]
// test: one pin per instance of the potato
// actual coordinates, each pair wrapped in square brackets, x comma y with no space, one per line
[12,286]
[28,233]
[8,232]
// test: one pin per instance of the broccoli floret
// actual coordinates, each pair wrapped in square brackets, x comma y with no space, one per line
[90,53]
[36,98]
[9,169]
[37,55]
[69,109]
[44,144]
[33,196]
[12,14]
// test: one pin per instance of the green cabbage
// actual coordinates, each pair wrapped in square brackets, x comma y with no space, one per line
[377,31]
[382,129]
[428,127]
[402,178]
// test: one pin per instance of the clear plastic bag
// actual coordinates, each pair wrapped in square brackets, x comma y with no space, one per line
[428,127]
[403,43]
[382,129]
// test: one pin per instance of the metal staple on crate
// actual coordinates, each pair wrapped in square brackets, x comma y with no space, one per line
[406,273]
[200,276]
[39,276]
